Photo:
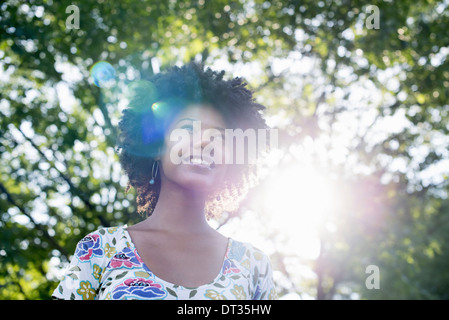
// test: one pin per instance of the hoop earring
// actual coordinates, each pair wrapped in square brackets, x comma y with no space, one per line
[153,175]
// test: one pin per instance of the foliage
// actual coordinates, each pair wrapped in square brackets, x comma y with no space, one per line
[59,173]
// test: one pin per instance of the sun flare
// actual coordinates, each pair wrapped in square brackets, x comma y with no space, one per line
[300,201]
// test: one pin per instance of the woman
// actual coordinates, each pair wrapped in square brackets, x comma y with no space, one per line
[174,253]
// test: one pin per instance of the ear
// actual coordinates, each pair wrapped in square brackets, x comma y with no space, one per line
[158,154]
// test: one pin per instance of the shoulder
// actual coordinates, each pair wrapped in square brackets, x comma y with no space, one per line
[257,266]
[248,255]
[106,233]
[100,243]
[111,233]
[262,276]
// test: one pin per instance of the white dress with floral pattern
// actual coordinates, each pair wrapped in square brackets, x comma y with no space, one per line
[106,265]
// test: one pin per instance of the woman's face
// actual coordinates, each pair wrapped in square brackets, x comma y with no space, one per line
[189,154]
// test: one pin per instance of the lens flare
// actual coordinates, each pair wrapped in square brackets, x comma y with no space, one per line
[160,109]
[141,95]
[103,74]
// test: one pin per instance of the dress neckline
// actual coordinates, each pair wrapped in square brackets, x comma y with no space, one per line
[168,283]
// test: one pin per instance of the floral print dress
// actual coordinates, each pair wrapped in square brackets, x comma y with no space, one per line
[106,265]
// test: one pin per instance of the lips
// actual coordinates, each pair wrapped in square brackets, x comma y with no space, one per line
[204,162]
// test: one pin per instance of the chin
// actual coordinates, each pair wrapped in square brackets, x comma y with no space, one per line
[198,185]
[198,182]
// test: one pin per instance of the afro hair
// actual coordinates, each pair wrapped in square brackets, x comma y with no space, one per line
[153,104]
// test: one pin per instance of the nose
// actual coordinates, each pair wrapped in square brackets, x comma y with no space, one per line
[199,142]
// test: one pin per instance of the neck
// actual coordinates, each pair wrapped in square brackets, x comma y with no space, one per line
[179,210]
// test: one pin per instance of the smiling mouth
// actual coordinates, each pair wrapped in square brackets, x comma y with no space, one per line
[204,162]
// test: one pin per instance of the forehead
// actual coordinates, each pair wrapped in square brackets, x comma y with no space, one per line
[208,116]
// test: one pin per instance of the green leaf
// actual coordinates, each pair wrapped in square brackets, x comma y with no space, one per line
[171,292]
[121,275]
[75,268]
[73,276]
[255,276]
[192,293]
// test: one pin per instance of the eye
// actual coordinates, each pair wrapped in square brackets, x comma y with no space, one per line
[219,137]
[187,127]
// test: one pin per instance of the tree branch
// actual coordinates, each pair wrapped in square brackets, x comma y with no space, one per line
[38,226]
[73,188]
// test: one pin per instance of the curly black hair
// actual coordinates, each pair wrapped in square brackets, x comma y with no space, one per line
[153,104]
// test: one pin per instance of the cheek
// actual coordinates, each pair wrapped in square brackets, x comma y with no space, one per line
[220,172]
[188,177]
[191,178]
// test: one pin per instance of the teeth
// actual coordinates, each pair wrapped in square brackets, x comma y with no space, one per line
[196,161]
[200,161]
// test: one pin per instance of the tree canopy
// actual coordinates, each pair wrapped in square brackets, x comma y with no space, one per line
[366,108]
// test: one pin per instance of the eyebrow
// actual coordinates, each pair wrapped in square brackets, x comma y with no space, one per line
[218,128]
[186,119]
